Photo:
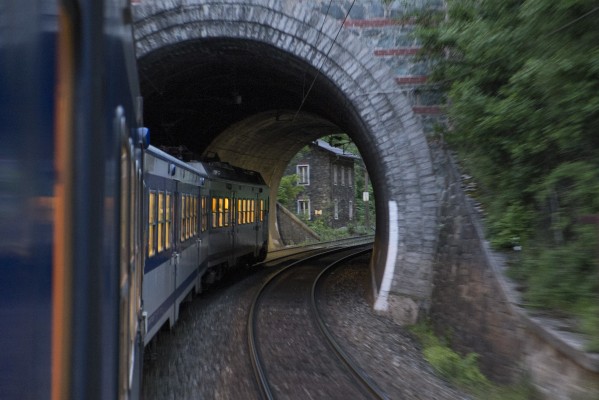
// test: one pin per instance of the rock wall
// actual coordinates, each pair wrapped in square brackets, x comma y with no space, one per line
[477,307]
[292,230]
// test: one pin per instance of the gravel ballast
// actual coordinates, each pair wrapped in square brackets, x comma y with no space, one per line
[205,356]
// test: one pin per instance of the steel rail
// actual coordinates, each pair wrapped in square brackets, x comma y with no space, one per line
[355,369]
[257,364]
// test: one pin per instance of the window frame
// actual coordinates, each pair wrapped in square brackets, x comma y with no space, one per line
[303,178]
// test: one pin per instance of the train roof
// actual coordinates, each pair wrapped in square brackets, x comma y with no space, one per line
[196,167]
[225,171]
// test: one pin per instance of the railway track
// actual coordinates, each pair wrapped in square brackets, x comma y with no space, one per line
[290,346]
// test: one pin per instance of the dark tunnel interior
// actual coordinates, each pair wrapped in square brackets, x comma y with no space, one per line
[195,90]
[253,105]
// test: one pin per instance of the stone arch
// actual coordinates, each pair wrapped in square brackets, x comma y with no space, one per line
[379,119]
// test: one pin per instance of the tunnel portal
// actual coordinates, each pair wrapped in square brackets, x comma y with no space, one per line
[254,81]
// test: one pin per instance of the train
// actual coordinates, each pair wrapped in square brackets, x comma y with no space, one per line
[102,235]
[202,219]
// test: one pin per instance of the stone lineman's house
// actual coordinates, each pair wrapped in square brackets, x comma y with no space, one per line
[327,175]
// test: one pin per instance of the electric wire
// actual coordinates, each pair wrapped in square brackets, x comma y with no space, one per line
[323,61]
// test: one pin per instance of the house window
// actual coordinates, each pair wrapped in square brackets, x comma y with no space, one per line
[303,172]
[303,207]
[351,210]
[349,178]
[342,176]
[336,210]
[335,166]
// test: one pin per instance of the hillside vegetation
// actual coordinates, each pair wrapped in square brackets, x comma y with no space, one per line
[521,80]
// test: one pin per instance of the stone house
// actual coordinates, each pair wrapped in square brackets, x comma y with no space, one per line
[327,175]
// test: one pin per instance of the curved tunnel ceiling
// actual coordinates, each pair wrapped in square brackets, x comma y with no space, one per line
[193,91]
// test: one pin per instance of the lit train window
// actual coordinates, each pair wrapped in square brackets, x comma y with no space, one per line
[187,213]
[220,212]
[186,216]
[195,215]
[152,224]
[160,222]
[261,210]
[239,220]
[204,214]
[214,212]
[190,216]
[183,227]
[226,211]
[168,221]
[253,211]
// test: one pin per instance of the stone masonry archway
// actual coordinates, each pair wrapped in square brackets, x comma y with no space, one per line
[286,46]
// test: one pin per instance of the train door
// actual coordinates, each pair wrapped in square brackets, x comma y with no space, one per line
[234,232]
[187,260]
[203,237]
[174,258]
[131,263]
[257,222]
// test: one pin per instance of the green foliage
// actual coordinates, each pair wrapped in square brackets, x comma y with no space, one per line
[289,190]
[463,371]
[522,82]
[323,229]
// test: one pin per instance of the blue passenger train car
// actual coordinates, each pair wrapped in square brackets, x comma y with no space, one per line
[101,236]
[70,266]
[202,219]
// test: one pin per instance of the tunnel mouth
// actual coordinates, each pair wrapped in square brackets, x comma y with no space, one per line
[194,90]
[251,103]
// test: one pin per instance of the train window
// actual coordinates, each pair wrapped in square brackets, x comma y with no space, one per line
[182,219]
[167,221]
[261,210]
[152,224]
[204,215]
[239,220]
[189,214]
[226,211]
[253,211]
[214,212]
[246,209]
[220,211]
[195,215]
[160,222]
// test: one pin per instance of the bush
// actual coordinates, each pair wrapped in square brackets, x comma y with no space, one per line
[464,371]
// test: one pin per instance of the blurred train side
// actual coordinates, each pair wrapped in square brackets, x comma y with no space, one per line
[68,306]
[93,224]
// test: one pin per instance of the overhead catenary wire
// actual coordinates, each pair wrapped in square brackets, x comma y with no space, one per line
[324,20]
[323,61]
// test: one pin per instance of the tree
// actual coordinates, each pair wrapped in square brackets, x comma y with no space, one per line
[289,190]
[522,82]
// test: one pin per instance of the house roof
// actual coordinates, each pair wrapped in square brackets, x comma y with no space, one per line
[335,150]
